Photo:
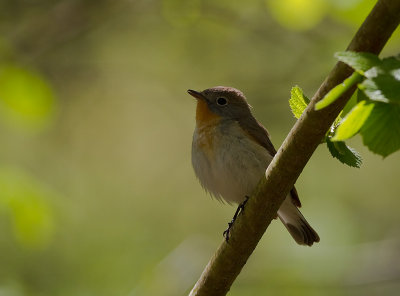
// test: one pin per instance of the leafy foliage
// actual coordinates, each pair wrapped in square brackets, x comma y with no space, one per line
[298,102]
[376,116]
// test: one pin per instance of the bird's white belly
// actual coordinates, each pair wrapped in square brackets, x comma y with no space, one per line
[227,162]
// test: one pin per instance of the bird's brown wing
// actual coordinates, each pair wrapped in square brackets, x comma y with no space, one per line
[260,134]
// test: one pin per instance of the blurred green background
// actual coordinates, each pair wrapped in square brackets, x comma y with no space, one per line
[97,193]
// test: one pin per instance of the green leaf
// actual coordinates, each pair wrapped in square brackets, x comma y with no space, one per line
[381,131]
[344,153]
[353,121]
[360,95]
[338,91]
[298,101]
[352,102]
[392,66]
[359,61]
[391,63]
[383,88]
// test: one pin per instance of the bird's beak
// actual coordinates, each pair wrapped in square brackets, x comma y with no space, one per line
[196,94]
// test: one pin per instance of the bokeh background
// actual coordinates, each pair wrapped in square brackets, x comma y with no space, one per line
[97,193]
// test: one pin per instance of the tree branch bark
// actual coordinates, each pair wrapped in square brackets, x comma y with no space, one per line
[293,155]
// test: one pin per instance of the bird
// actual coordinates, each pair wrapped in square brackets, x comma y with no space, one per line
[231,151]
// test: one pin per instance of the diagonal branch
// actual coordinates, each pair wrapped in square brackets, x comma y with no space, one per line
[293,155]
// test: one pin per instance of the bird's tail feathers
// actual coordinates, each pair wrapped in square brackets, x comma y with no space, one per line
[296,224]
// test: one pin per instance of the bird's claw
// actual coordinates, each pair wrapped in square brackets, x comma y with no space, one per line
[239,210]
[226,231]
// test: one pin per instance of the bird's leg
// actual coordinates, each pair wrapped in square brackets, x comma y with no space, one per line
[239,210]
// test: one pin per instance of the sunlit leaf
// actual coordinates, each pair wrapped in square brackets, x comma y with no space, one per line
[338,91]
[351,103]
[298,101]
[353,121]
[381,131]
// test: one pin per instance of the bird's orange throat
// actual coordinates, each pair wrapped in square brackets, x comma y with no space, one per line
[204,116]
[206,123]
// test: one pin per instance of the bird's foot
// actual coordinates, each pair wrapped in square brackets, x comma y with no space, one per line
[239,210]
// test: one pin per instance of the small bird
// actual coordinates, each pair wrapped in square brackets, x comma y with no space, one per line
[231,151]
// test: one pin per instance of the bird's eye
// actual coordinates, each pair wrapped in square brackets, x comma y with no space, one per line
[222,101]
